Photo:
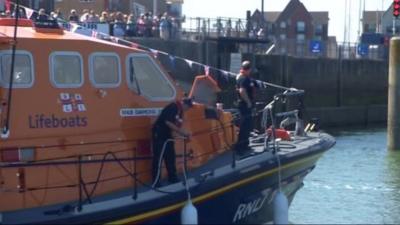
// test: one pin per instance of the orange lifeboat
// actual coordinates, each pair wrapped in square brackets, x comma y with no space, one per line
[78,132]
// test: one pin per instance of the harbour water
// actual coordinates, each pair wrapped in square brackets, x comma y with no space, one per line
[357,182]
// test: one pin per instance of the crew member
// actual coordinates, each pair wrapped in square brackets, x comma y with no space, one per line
[168,121]
[246,91]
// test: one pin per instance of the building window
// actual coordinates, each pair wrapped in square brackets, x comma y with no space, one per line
[300,50]
[23,69]
[66,69]
[300,38]
[283,24]
[105,70]
[317,38]
[282,37]
[146,78]
[318,29]
[301,26]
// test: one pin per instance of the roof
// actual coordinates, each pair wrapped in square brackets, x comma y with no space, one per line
[320,17]
[372,17]
[271,16]
[290,8]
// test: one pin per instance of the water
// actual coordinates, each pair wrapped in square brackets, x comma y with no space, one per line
[357,181]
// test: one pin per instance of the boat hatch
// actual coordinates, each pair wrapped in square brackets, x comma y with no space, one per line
[48,26]
[204,90]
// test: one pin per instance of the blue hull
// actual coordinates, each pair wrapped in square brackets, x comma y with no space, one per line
[222,192]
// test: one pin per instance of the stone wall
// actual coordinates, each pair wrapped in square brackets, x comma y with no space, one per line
[339,92]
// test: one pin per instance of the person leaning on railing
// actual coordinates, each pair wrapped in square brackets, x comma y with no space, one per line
[169,121]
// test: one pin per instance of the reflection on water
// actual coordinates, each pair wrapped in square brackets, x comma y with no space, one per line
[357,181]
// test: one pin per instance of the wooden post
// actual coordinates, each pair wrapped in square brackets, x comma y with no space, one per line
[393,130]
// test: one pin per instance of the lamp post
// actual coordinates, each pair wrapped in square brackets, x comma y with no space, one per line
[262,12]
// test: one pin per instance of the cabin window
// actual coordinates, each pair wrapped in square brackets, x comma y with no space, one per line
[23,69]
[66,69]
[146,78]
[105,70]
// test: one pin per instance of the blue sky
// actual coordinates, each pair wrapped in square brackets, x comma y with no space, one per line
[237,8]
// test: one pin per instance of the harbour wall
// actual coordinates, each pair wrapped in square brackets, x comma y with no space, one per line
[340,92]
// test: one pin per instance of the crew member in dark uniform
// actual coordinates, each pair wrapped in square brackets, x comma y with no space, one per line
[246,91]
[168,121]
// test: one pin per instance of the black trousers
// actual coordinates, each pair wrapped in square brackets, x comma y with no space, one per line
[169,157]
[245,127]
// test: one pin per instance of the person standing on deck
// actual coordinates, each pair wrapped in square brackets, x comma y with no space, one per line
[246,91]
[168,121]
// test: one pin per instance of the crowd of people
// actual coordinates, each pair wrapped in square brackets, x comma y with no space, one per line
[145,24]
[128,25]
[121,25]
[131,25]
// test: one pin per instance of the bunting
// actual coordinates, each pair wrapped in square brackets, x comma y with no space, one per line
[207,70]
[189,62]
[154,52]
[29,12]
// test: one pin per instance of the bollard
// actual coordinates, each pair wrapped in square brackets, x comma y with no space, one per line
[393,129]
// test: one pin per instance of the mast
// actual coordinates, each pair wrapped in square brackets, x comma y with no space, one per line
[345,22]
[6,129]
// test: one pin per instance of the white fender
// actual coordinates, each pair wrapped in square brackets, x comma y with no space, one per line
[281,209]
[189,214]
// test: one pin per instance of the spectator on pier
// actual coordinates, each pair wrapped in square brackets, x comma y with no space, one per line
[73,16]
[58,15]
[42,15]
[156,26]
[165,27]
[131,26]
[228,28]
[93,17]
[219,27]
[111,17]
[141,25]
[85,16]
[119,25]
[148,21]
[104,17]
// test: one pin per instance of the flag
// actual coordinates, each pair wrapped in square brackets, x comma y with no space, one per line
[172,61]
[74,27]
[189,62]
[154,52]
[207,70]
[94,33]
[28,12]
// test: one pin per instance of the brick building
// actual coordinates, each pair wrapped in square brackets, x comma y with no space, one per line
[295,28]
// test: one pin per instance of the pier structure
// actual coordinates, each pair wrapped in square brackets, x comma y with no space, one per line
[393,130]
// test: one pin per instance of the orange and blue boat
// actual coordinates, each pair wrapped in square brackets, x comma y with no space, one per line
[76,122]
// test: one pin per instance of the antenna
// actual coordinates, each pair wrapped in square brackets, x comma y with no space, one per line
[345,22]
